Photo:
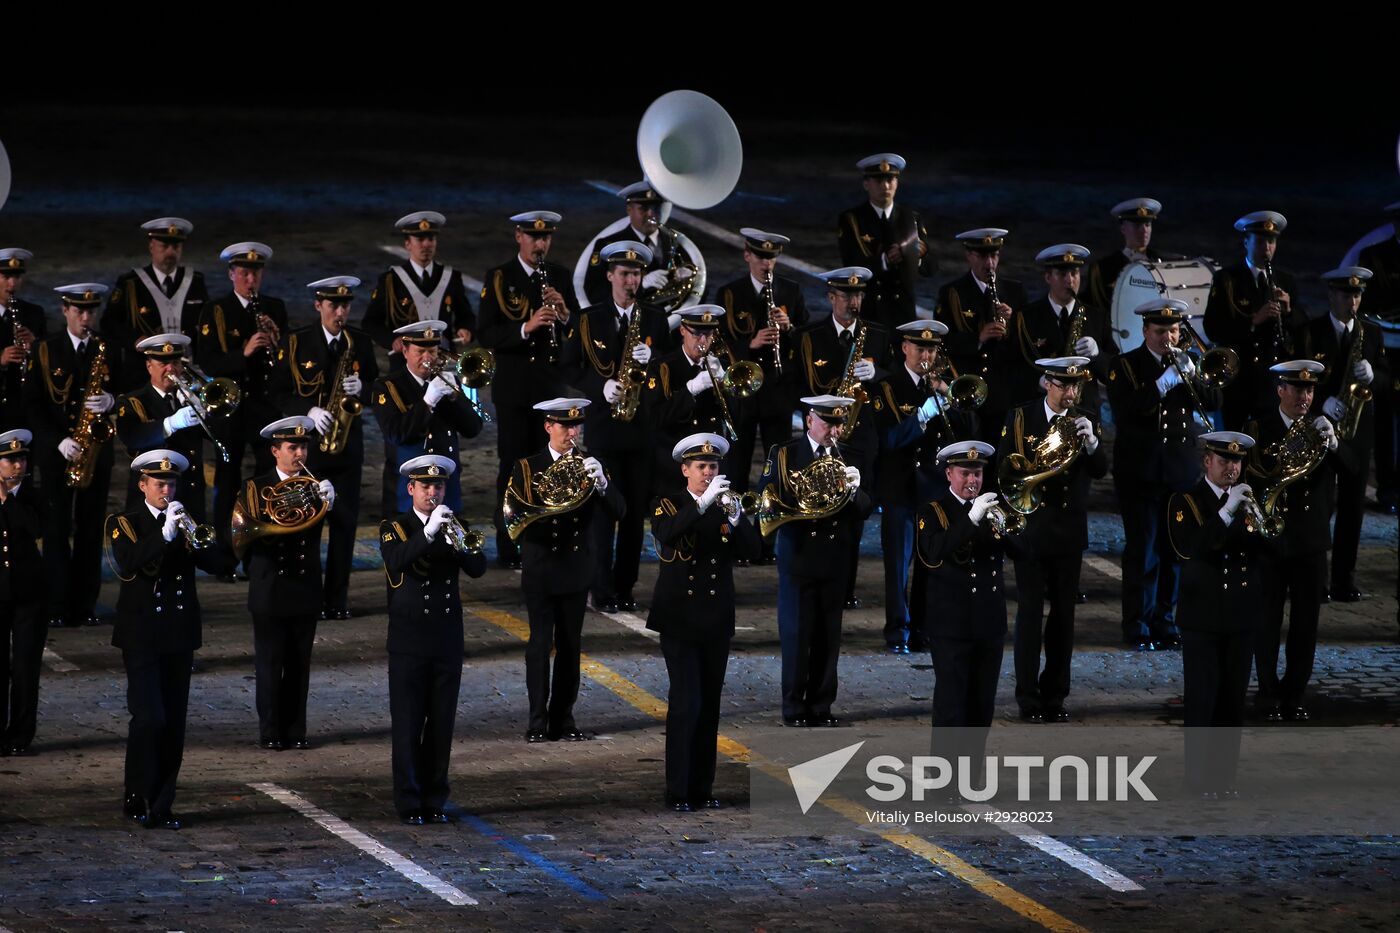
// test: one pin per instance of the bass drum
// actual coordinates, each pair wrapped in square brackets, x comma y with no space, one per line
[1141,282]
[684,242]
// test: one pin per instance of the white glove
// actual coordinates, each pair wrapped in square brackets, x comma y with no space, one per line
[1329,433]
[1362,372]
[1188,365]
[1086,346]
[980,506]
[1333,408]
[184,418]
[321,419]
[1085,429]
[69,448]
[1234,499]
[612,391]
[712,492]
[595,470]
[351,384]
[173,511]
[436,391]
[641,353]
[852,477]
[700,383]
[656,278]
[435,521]
[327,493]
[928,410]
[864,370]
[1169,380]
[99,403]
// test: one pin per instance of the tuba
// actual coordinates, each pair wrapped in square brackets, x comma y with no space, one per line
[1021,477]
[291,506]
[1280,465]
[820,488]
[563,486]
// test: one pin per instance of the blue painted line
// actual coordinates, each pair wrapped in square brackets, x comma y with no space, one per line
[557,872]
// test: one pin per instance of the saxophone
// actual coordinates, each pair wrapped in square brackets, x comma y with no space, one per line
[93,429]
[1077,319]
[849,386]
[633,375]
[344,408]
[1354,395]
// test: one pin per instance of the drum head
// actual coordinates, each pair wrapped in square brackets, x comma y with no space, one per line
[1140,282]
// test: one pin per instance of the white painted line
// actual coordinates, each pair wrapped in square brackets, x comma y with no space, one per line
[58,665]
[730,238]
[1067,854]
[367,844]
[629,621]
[1104,566]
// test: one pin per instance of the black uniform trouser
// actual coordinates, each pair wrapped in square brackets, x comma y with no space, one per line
[615,573]
[1346,534]
[1297,579]
[282,665]
[73,571]
[965,675]
[1215,668]
[863,459]
[1151,573]
[239,432]
[771,429]
[423,708]
[157,695]
[1039,579]
[340,550]
[556,622]
[22,634]
[897,544]
[696,672]
[520,432]
[809,629]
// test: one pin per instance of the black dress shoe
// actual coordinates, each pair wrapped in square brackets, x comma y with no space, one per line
[1295,714]
[91,620]
[341,615]
[853,602]
[1056,714]
[325,614]
[162,821]
[1209,796]
[573,735]
[1138,643]
[436,816]
[536,736]
[508,563]
[134,808]
[412,818]
[627,604]
[709,803]
[742,562]
[1273,714]
[271,745]
[683,806]
[226,578]
[1032,715]
[897,649]
[1082,598]
[1346,594]
[606,608]
[796,722]
[57,621]
[21,751]
[300,745]
[826,722]
[1229,793]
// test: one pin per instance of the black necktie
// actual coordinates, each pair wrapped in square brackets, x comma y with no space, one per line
[426,274]
[160,518]
[846,339]
[1065,315]
[336,347]
[169,286]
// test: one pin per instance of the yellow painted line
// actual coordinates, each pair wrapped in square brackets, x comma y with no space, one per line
[653,706]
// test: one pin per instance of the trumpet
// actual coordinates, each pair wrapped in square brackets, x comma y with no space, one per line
[459,538]
[198,537]
[746,502]
[1256,521]
[208,397]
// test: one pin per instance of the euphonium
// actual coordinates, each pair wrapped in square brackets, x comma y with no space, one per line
[1354,395]
[1021,477]
[343,406]
[93,429]
[821,489]
[563,486]
[293,505]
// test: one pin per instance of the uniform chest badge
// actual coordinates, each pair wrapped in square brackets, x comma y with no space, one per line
[906,409]
[1181,516]
[387,536]
[819,362]
[204,329]
[382,399]
[58,372]
[866,238]
[308,364]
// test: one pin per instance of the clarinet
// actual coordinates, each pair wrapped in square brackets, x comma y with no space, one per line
[553,326]
[12,309]
[1278,321]
[778,340]
[264,324]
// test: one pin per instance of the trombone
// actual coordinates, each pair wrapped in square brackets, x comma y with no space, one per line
[474,367]
[208,397]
